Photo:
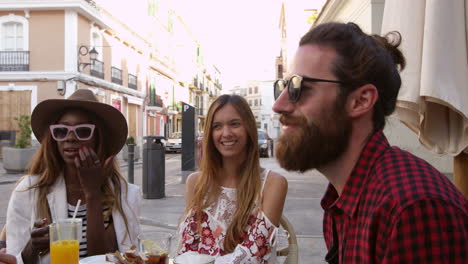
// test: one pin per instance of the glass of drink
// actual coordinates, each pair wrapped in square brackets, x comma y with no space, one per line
[65,236]
[156,246]
[194,258]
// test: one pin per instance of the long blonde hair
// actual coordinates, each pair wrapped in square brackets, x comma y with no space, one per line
[47,164]
[207,188]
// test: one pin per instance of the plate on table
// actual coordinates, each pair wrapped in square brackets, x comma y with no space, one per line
[101,259]
[98,259]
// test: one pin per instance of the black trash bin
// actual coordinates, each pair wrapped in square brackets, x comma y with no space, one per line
[154,169]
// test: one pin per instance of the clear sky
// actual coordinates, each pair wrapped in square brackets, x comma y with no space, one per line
[242,37]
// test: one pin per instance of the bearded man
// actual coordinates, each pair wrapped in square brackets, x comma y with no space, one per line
[383,204]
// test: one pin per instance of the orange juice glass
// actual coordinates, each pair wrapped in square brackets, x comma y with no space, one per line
[65,236]
[64,251]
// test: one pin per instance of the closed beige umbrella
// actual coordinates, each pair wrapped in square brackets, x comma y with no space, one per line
[433,100]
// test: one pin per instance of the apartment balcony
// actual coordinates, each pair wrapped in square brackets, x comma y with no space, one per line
[14,60]
[158,102]
[97,69]
[92,3]
[116,75]
[132,81]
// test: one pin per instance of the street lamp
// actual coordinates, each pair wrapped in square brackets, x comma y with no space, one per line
[83,51]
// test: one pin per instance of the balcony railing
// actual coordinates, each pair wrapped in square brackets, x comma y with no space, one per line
[92,3]
[158,102]
[116,75]
[132,81]
[14,60]
[97,69]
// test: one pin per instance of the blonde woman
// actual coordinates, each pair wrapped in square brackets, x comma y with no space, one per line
[233,206]
[79,137]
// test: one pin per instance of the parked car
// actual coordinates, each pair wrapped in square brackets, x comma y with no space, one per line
[265,144]
[174,143]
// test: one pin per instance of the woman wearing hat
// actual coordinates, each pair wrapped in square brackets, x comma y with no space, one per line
[79,137]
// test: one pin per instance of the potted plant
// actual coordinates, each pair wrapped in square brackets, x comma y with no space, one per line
[136,149]
[130,141]
[17,158]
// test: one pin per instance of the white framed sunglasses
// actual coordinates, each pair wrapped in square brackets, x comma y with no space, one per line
[82,132]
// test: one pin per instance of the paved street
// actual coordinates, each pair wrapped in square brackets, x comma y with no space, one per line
[302,204]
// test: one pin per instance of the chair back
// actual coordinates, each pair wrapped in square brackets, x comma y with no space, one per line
[291,252]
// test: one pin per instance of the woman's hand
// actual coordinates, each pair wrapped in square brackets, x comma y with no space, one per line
[90,171]
[92,177]
[39,243]
[6,258]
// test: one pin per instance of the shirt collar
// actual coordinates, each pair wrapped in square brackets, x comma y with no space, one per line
[358,179]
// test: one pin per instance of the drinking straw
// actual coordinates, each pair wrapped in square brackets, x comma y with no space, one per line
[76,208]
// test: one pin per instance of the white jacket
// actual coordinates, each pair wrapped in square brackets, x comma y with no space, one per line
[22,214]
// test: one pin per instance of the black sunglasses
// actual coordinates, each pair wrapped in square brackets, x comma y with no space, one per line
[294,85]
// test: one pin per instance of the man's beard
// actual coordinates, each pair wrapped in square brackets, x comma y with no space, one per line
[312,146]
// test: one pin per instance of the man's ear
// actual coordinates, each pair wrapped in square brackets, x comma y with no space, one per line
[362,100]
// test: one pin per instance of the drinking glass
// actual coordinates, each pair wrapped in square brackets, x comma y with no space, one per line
[194,258]
[65,236]
[156,246]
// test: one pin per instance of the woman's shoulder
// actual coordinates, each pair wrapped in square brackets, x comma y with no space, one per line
[26,181]
[192,178]
[275,179]
[131,188]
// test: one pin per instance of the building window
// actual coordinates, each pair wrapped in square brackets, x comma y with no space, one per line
[13,36]
[14,49]
[96,42]
[250,102]
[97,68]
[256,90]
[14,32]
[116,75]
[250,90]
[256,102]
[280,71]
[132,81]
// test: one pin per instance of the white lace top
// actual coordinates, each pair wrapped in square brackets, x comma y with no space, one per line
[258,246]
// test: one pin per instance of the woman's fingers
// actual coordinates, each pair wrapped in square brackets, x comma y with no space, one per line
[40,241]
[6,258]
[40,232]
[94,158]
[77,163]
[41,244]
[39,223]
[85,157]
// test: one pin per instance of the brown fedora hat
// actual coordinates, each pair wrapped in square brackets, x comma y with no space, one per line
[49,110]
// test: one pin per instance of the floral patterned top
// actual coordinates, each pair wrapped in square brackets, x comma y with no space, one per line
[258,246]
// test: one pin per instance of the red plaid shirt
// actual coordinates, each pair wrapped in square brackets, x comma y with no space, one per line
[396,208]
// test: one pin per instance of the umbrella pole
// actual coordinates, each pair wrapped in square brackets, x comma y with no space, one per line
[460,172]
